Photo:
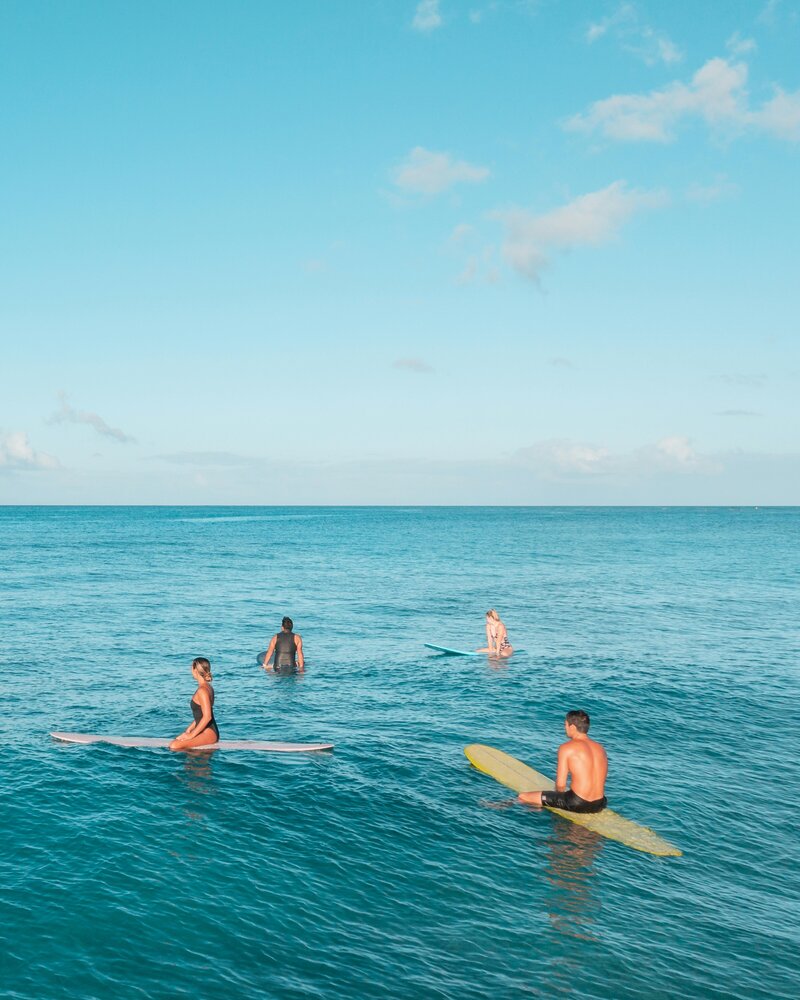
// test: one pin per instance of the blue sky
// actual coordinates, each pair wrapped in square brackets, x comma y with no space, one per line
[400,252]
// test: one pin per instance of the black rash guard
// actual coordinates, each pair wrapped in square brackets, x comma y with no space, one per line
[285,651]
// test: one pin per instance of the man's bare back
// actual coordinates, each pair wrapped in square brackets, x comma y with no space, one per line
[585,762]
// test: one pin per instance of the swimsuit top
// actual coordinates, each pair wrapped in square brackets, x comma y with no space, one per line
[197,712]
[285,650]
[493,630]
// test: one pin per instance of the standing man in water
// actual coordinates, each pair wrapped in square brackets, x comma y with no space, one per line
[288,650]
[587,763]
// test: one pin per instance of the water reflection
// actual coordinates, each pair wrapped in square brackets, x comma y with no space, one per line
[571,905]
[197,778]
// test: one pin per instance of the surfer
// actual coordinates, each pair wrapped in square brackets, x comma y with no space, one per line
[203,731]
[497,643]
[586,761]
[288,649]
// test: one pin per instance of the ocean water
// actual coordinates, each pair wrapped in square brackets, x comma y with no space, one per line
[385,869]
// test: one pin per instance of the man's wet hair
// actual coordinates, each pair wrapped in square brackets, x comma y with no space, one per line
[287,623]
[579,719]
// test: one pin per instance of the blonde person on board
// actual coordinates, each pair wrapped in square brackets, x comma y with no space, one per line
[203,731]
[497,643]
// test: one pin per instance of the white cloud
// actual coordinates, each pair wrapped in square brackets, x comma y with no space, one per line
[749,380]
[16,453]
[639,39]
[739,413]
[739,46]
[427,16]
[412,365]
[676,451]
[561,457]
[718,189]
[780,116]
[469,273]
[461,233]
[588,220]
[480,267]
[66,414]
[426,172]
[557,459]
[624,14]
[717,94]
[768,13]
[218,459]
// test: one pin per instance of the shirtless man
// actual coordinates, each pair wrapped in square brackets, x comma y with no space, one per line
[288,649]
[587,763]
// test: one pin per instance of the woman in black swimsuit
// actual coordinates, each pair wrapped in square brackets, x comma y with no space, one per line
[203,731]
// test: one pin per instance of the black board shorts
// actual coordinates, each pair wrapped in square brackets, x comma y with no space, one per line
[572,803]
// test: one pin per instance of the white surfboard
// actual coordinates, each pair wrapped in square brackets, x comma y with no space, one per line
[155,742]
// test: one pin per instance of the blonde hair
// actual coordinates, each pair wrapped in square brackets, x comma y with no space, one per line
[491,613]
[203,667]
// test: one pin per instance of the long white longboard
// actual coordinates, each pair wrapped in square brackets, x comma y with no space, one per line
[148,741]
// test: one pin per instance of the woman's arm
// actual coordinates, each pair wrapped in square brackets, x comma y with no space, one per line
[195,728]
[488,646]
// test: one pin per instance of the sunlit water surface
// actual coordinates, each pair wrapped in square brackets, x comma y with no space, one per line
[384,869]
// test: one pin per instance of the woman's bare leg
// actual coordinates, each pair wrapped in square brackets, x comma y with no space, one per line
[207,738]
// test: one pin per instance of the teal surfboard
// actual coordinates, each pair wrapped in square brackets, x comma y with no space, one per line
[447,651]
[450,652]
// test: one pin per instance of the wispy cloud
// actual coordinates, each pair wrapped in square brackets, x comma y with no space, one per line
[427,16]
[739,46]
[749,380]
[67,414]
[16,453]
[717,94]
[426,172]
[641,40]
[589,220]
[769,12]
[561,458]
[480,267]
[717,190]
[412,365]
[217,459]
[461,233]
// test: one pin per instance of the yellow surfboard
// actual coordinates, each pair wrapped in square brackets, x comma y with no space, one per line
[520,778]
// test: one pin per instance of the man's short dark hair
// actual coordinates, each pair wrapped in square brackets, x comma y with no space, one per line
[578,719]
[288,624]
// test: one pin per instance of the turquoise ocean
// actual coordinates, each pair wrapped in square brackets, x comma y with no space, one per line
[385,869]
